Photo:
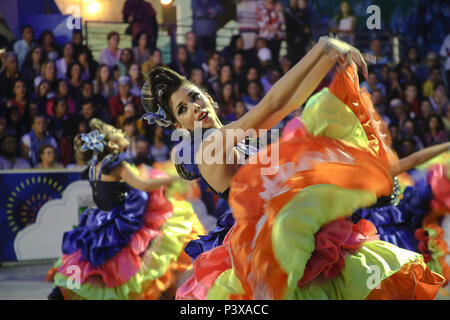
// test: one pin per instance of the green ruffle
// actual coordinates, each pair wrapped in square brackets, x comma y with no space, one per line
[436,253]
[326,115]
[165,249]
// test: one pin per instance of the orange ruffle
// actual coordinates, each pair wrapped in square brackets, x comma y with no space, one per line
[345,86]
[261,264]
[413,281]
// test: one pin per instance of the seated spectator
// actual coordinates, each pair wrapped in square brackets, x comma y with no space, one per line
[395,136]
[439,99]
[436,133]
[195,54]
[268,80]
[264,59]
[397,112]
[236,46]
[15,123]
[42,95]
[47,154]
[406,75]
[131,134]
[394,88]
[344,24]
[155,60]
[408,133]
[414,60]
[141,51]
[48,43]
[88,110]
[254,94]
[31,142]
[87,92]
[426,109]
[411,99]
[142,152]
[75,82]
[78,46]
[428,85]
[197,77]
[376,53]
[405,148]
[21,47]
[125,61]
[239,71]
[117,103]
[63,63]
[88,65]
[226,101]
[60,121]
[225,74]
[240,109]
[62,93]
[182,64]
[19,98]
[158,150]
[130,111]
[104,84]
[8,76]
[446,119]
[111,54]
[372,82]
[378,103]
[31,67]
[9,157]
[48,72]
[136,79]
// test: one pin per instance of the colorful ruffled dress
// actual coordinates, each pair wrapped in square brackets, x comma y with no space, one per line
[293,237]
[131,246]
[188,169]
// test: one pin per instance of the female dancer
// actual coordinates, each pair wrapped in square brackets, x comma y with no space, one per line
[290,239]
[131,245]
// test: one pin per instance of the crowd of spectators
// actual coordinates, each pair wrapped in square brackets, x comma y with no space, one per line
[49,92]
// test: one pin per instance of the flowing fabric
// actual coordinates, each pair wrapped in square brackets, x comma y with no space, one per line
[291,239]
[135,251]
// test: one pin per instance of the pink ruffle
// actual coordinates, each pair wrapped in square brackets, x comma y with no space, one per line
[440,186]
[333,241]
[123,266]
[207,268]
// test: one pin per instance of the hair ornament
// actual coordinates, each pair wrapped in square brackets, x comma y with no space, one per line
[159,118]
[93,141]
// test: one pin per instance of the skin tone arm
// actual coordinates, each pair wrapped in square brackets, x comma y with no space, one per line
[126,173]
[417,158]
[288,93]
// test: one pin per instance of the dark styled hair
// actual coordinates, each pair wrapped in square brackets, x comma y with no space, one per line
[156,92]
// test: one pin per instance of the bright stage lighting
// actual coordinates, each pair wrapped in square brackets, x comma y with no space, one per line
[166,2]
[93,7]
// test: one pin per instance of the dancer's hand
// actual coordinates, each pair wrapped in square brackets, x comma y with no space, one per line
[347,53]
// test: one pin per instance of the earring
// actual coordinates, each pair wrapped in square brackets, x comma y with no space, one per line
[215,105]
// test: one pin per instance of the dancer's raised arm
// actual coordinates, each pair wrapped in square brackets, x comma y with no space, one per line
[292,90]
[417,158]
